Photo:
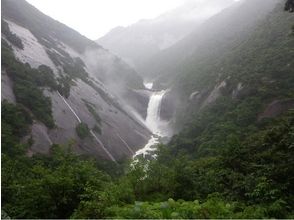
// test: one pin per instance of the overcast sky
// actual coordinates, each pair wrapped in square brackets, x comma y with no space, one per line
[94,18]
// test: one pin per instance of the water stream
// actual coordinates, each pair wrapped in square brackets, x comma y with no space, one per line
[158,127]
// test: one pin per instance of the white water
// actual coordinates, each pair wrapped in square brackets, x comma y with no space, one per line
[158,127]
[149,147]
[153,113]
[148,85]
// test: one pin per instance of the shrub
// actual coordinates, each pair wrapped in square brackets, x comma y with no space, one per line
[13,38]
[82,130]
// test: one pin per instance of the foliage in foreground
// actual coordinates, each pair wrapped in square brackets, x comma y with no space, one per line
[250,179]
[212,208]
[224,165]
[47,187]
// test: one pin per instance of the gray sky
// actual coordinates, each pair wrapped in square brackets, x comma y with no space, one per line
[94,18]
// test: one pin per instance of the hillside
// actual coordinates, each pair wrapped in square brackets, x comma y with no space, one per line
[141,41]
[226,91]
[65,80]
[257,66]
[234,156]
[214,38]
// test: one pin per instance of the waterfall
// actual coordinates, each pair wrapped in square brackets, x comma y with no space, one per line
[158,127]
[153,113]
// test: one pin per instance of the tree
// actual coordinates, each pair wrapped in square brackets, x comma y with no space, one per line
[289,6]
[48,186]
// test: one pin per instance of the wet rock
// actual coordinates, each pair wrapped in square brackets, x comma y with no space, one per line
[6,88]
[193,95]
[236,92]
[41,139]
[214,94]
[168,107]
[276,108]
[139,100]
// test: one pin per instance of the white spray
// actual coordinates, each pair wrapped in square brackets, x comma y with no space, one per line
[158,127]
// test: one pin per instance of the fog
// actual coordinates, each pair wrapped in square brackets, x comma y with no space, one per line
[95,18]
[142,40]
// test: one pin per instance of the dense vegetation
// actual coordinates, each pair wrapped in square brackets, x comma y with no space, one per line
[47,187]
[249,179]
[261,64]
[13,38]
[289,6]
[228,162]
[82,130]
[14,125]
[26,85]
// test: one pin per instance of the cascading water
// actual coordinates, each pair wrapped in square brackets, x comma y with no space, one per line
[153,122]
[148,85]
[153,113]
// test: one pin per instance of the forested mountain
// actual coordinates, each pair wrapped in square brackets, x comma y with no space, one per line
[141,41]
[239,67]
[218,35]
[66,84]
[229,98]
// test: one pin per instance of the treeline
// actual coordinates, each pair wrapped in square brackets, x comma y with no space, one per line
[42,186]
[252,178]
[227,163]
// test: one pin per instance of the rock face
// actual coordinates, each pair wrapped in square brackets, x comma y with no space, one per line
[214,94]
[101,94]
[168,107]
[6,88]
[139,100]
[236,92]
[276,108]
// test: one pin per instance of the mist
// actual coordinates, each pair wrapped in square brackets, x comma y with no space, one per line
[150,109]
[140,41]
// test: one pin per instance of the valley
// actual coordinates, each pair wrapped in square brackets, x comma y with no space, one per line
[188,115]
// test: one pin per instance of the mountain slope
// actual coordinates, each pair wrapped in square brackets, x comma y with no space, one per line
[198,54]
[216,36]
[79,74]
[258,64]
[242,90]
[233,159]
[142,40]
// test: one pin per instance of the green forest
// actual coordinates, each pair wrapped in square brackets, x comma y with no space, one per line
[226,162]
[250,178]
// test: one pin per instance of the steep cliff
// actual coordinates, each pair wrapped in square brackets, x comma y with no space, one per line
[87,85]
